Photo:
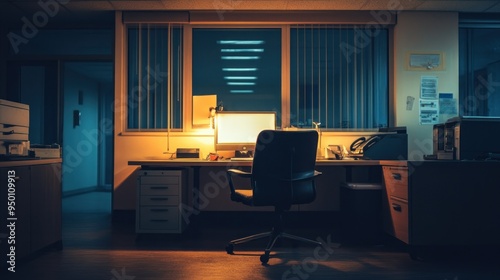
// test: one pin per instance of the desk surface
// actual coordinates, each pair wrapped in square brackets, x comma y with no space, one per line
[14,163]
[188,162]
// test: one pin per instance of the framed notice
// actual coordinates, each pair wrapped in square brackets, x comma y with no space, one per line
[425,61]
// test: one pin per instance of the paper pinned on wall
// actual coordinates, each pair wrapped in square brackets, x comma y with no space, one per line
[409,103]
[447,104]
[429,111]
[429,87]
[201,109]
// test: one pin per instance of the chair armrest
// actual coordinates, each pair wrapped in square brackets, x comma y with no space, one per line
[239,173]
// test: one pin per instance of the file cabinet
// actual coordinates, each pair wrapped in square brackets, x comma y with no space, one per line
[396,189]
[161,195]
[442,203]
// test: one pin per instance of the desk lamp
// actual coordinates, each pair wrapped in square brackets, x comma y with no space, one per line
[316,126]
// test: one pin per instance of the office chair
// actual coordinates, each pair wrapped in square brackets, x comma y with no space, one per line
[282,175]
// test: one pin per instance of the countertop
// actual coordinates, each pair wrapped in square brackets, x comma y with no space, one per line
[27,162]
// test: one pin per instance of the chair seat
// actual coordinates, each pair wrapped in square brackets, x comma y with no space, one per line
[243,196]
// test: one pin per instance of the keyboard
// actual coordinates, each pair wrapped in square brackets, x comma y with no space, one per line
[241,158]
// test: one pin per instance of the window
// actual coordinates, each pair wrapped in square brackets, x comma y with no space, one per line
[479,67]
[241,66]
[154,90]
[339,76]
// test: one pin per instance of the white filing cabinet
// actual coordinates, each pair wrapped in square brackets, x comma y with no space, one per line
[160,197]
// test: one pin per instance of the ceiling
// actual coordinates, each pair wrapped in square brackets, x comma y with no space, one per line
[15,10]
[78,12]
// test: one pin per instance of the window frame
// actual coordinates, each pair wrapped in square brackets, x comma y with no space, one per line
[468,90]
[188,77]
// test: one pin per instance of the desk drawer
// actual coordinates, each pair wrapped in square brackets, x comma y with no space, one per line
[164,200]
[399,218]
[160,180]
[159,218]
[160,189]
[396,181]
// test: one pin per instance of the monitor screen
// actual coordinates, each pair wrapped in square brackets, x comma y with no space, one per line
[238,131]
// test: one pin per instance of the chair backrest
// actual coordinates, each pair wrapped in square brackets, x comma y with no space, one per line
[283,167]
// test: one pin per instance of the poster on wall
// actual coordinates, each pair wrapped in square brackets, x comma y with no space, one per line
[447,104]
[429,87]
[429,111]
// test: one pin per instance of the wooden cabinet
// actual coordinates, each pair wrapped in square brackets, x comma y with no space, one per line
[161,195]
[46,203]
[396,189]
[443,203]
[37,198]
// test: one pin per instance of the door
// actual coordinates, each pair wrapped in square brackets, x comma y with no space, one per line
[87,126]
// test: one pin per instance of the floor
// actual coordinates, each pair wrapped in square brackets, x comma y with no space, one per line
[97,247]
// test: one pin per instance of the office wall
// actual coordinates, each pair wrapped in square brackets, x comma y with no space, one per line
[422,32]
[414,31]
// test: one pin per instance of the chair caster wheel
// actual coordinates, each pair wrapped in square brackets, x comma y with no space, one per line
[229,248]
[264,258]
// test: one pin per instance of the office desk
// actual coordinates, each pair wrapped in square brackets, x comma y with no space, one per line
[186,162]
[425,203]
[209,177]
[369,167]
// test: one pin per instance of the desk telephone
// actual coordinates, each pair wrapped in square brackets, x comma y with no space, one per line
[360,145]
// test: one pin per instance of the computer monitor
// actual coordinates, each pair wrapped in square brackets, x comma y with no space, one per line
[238,131]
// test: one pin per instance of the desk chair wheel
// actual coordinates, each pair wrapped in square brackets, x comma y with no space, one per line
[229,248]
[265,257]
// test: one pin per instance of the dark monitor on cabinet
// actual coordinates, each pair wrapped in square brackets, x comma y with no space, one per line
[238,131]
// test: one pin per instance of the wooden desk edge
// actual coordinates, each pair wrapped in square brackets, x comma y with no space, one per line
[229,163]
[14,163]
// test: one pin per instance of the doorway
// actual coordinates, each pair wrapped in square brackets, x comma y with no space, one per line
[87,125]
[71,105]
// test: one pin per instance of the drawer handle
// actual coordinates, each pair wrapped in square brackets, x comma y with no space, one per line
[159,188]
[159,210]
[159,198]
[396,207]
[396,176]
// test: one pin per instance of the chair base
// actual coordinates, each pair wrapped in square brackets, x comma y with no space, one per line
[273,235]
